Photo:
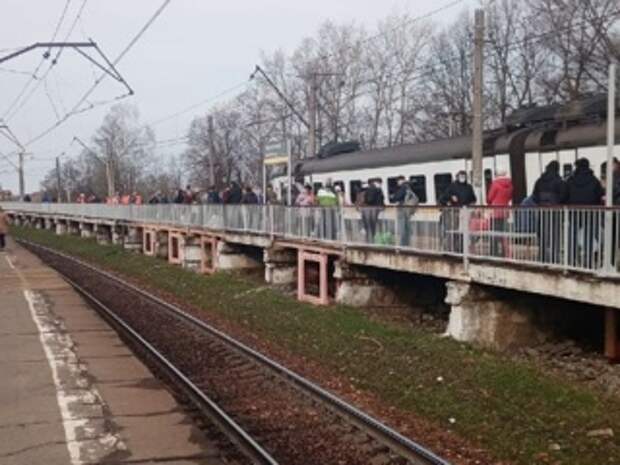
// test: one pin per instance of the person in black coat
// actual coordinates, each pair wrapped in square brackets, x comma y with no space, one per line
[213,196]
[459,193]
[373,202]
[235,195]
[550,190]
[584,189]
[249,197]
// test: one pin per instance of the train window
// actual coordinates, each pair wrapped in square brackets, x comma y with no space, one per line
[442,181]
[340,184]
[354,188]
[418,185]
[392,186]
[567,170]
[316,186]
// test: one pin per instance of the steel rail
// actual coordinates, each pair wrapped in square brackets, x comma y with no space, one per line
[395,441]
[246,444]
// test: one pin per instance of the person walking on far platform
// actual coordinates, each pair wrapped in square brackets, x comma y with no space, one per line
[4,229]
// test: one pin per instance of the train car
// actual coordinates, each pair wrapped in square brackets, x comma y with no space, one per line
[529,140]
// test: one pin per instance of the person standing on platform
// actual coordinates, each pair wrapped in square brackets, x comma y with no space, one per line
[458,194]
[550,191]
[500,197]
[4,229]
[407,202]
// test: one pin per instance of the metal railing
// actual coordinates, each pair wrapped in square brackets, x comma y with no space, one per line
[584,239]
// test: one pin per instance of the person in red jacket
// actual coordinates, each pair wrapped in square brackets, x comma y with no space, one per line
[500,197]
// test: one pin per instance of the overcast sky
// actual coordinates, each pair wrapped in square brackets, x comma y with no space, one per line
[195,50]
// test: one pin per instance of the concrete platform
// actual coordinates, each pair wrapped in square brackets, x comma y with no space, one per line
[71,391]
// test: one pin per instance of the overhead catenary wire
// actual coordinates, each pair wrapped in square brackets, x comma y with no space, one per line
[76,108]
[51,66]
[38,68]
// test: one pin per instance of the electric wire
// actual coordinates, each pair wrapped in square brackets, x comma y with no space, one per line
[38,68]
[76,108]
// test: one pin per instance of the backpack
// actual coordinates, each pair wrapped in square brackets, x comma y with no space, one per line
[411,200]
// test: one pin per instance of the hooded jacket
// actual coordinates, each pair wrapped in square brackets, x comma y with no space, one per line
[584,188]
[500,195]
[550,189]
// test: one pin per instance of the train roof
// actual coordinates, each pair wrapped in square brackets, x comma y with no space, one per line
[551,128]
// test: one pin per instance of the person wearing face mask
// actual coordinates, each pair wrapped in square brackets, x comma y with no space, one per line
[458,194]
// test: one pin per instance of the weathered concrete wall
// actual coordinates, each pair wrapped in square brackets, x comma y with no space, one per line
[570,286]
[192,254]
[230,257]
[161,244]
[357,288]
[86,230]
[104,234]
[61,228]
[280,265]
[478,315]
[133,239]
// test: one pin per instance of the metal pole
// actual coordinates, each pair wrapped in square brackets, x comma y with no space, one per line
[289,172]
[211,150]
[611,142]
[58,182]
[22,187]
[477,144]
[312,110]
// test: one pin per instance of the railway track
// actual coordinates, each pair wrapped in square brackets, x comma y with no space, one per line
[272,414]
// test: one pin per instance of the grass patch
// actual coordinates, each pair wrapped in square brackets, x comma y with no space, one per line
[510,408]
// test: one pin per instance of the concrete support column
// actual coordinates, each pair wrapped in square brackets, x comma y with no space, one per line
[176,246]
[612,342]
[87,230]
[230,257]
[118,235]
[192,253]
[39,223]
[61,228]
[133,239]
[161,244]
[321,280]
[280,265]
[479,316]
[49,224]
[208,253]
[104,234]
[74,228]
[357,289]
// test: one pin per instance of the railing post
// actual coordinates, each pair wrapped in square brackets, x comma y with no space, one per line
[271,221]
[566,237]
[343,230]
[465,217]
[397,238]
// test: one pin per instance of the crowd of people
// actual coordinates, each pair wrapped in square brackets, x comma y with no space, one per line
[581,188]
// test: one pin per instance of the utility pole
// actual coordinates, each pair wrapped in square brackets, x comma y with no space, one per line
[58,182]
[477,141]
[312,109]
[609,188]
[211,133]
[22,186]
[107,163]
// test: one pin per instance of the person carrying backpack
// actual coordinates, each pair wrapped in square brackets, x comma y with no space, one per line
[407,202]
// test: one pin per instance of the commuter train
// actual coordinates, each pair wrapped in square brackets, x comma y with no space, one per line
[529,139]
